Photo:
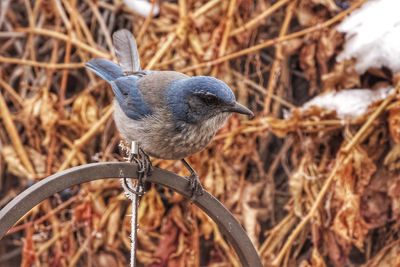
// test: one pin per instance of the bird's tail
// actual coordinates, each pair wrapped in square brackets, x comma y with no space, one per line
[105,69]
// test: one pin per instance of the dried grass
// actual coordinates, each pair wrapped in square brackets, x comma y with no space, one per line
[311,190]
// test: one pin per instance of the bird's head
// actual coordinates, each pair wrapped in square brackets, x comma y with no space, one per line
[200,98]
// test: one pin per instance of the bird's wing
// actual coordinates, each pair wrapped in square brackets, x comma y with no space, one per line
[155,85]
[105,69]
[126,51]
[130,98]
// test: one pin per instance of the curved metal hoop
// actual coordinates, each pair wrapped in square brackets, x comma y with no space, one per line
[47,187]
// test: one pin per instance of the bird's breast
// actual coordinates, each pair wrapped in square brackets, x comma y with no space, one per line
[162,137]
[188,139]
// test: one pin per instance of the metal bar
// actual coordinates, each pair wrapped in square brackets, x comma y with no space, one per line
[134,227]
[135,205]
[47,187]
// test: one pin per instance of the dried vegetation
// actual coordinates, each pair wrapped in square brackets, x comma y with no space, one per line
[311,190]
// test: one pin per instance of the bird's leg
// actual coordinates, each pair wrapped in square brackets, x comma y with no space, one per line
[194,181]
[145,169]
[147,166]
[132,190]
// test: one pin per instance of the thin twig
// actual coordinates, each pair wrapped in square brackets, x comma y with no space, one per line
[263,90]
[103,27]
[205,8]
[65,38]
[258,19]
[45,65]
[11,92]
[274,74]
[166,45]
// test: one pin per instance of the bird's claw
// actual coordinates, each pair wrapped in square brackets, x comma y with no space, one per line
[145,168]
[145,164]
[195,186]
[143,161]
[194,182]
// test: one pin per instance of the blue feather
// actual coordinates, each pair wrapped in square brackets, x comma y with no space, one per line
[130,98]
[125,88]
[105,69]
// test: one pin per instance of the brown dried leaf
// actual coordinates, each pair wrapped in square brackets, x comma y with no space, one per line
[188,250]
[42,106]
[375,208]
[151,210]
[13,162]
[296,187]
[343,76]
[375,204]
[206,227]
[85,110]
[348,222]
[330,4]
[253,209]
[305,14]
[38,160]
[394,194]
[280,127]
[83,212]
[291,47]
[394,122]
[327,43]
[104,259]
[392,158]
[363,168]
[309,65]
[387,256]
[316,260]
[353,178]
[114,225]
[337,252]
[168,241]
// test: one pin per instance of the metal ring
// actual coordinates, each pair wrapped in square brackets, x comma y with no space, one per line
[47,187]
[135,191]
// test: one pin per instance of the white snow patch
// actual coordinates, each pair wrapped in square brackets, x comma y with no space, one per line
[142,7]
[373,35]
[348,104]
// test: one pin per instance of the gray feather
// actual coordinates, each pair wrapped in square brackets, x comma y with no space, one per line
[130,98]
[105,68]
[126,51]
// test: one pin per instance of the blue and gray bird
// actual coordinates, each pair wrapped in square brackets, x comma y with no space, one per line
[171,115]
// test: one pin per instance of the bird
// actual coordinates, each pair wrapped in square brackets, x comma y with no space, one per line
[170,114]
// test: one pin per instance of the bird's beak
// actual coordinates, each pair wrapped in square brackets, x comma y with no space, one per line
[239,108]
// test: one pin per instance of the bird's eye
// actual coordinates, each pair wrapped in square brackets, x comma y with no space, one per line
[209,99]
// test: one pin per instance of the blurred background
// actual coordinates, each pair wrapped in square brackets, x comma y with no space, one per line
[313,178]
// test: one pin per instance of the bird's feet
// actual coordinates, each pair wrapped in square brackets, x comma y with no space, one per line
[143,161]
[195,186]
[145,168]
[194,182]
